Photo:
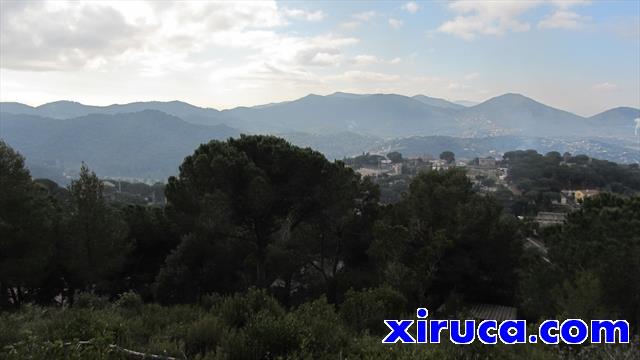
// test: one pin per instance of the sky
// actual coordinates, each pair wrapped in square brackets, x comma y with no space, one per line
[579,56]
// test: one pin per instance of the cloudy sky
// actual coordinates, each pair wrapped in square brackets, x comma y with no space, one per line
[577,55]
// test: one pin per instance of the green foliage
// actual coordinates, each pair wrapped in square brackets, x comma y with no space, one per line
[540,178]
[204,334]
[262,241]
[88,300]
[364,160]
[129,301]
[395,157]
[237,310]
[95,245]
[441,238]
[448,156]
[242,203]
[367,309]
[27,223]
[321,329]
[596,256]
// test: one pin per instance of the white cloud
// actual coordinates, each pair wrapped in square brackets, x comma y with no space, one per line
[563,19]
[565,4]
[486,18]
[471,76]
[367,76]
[395,23]
[365,59]
[304,15]
[474,18]
[411,7]
[350,25]
[364,16]
[605,86]
[72,36]
[458,86]
[358,19]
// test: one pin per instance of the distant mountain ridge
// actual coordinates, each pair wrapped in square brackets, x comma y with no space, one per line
[378,115]
[148,143]
[71,109]
[150,139]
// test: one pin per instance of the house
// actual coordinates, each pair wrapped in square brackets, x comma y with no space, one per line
[546,218]
[385,164]
[440,164]
[478,311]
[580,195]
[372,172]
[492,312]
[487,162]
[396,169]
[567,197]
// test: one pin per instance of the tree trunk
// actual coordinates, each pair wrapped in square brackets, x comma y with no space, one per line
[4,293]
[14,297]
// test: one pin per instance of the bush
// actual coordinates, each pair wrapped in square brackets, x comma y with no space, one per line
[237,310]
[204,335]
[321,328]
[89,300]
[367,309]
[235,346]
[273,336]
[130,301]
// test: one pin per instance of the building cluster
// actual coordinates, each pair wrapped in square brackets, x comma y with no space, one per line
[485,174]
[570,200]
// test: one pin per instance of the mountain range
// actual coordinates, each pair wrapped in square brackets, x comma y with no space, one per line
[149,139]
[381,115]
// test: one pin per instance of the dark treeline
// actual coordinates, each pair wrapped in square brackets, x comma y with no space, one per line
[540,178]
[267,250]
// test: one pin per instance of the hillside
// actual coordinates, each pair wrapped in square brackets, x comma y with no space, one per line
[143,144]
[378,115]
[383,115]
[622,152]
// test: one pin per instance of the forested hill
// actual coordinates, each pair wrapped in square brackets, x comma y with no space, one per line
[531,171]
[268,250]
[146,144]
[378,115]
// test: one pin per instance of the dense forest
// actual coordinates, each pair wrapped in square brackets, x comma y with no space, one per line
[540,178]
[265,250]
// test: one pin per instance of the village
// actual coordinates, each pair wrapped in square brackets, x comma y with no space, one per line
[489,175]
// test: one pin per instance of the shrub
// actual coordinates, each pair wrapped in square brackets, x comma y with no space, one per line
[204,335]
[321,328]
[273,336]
[129,301]
[89,300]
[237,310]
[366,309]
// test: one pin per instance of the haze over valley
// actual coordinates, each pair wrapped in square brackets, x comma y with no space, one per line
[149,139]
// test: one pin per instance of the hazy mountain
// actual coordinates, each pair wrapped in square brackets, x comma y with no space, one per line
[150,139]
[466,103]
[620,116]
[70,109]
[389,115]
[602,148]
[143,144]
[16,108]
[515,114]
[437,102]
[382,115]
[334,146]
[377,115]
[185,111]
